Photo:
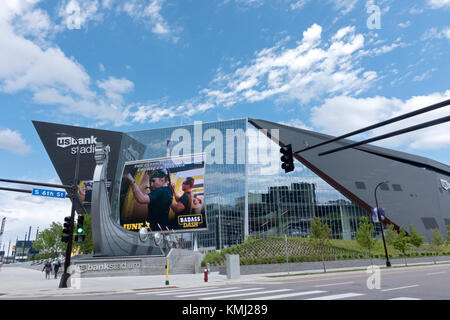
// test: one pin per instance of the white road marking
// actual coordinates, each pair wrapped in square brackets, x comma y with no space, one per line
[399,288]
[338,296]
[171,290]
[288,295]
[195,291]
[433,273]
[333,284]
[208,293]
[246,294]
[404,298]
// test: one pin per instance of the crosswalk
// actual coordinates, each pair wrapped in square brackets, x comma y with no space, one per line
[253,293]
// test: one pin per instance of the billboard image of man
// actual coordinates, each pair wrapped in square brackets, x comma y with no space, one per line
[183,204]
[158,200]
[85,192]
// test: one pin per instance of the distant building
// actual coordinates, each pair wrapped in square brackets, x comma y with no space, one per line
[24,250]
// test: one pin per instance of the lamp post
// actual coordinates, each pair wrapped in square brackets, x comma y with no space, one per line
[73,194]
[388,263]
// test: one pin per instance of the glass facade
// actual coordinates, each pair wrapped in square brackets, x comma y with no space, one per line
[280,203]
[225,182]
[246,191]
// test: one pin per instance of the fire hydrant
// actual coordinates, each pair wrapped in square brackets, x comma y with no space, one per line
[206,274]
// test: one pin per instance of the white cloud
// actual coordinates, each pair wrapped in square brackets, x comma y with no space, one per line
[415,10]
[362,112]
[384,49]
[158,111]
[35,23]
[247,3]
[107,3]
[311,70]
[437,4]
[12,141]
[25,65]
[424,75]
[44,69]
[115,88]
[344,6]
[308,71]
[150,14]
[434,33]
[76,13]
[405,24]
[298,4]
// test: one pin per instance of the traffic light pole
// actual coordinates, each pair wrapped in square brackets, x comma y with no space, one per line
[74,197]
[65,276]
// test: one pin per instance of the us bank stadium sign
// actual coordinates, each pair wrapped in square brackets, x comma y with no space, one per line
[445,184]
[85,145]
[108,266]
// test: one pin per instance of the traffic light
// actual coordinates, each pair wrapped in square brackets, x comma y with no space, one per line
[66,229]
[287,158]
[80,223]
[79,237]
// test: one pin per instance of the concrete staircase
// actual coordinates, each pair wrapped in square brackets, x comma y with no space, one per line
[184,261]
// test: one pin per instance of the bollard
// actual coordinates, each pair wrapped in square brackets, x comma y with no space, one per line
[206,275]
[167,272]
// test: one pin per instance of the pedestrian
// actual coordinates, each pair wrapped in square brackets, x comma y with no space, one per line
[47,268]
[56,266]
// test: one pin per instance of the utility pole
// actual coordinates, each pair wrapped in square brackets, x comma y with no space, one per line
[74,197]
[388,263]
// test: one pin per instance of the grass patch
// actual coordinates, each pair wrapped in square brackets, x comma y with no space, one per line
[273,250]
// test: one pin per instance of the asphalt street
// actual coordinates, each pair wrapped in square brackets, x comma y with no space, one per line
[413,283]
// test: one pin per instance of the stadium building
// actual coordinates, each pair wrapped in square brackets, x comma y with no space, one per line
[246,192]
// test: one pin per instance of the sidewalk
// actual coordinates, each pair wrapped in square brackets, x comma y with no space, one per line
[19,282]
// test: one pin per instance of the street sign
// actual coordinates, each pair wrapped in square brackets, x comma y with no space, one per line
[49,193]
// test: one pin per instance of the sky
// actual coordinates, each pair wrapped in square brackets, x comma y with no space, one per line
[330,66]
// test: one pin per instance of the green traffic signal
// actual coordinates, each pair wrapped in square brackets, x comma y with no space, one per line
[80,222]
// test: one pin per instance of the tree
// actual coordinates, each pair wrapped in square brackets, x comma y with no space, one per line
[319,238]
[390,234]
[364,236]
[48,241]
[447,242]
[437,240]
[402,243]
[415,238]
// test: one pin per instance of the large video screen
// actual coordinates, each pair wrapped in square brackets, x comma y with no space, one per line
[164,195]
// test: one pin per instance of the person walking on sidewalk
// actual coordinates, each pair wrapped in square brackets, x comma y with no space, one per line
[47,268]
[56,266]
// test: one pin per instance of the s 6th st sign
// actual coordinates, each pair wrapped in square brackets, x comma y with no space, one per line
[49,193]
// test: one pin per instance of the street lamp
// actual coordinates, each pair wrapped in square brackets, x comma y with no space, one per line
[65,276]
[388,263]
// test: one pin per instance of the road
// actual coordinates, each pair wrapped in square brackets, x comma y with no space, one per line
[414,283]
